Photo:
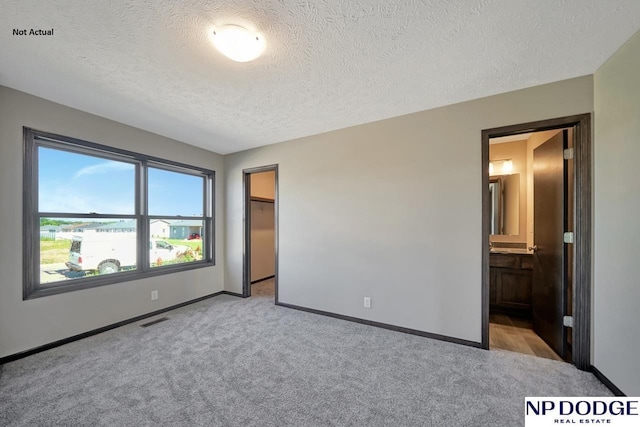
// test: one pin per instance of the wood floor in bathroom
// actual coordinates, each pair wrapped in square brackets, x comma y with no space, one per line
[514,334]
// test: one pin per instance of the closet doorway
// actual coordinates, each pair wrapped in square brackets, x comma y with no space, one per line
[260,254]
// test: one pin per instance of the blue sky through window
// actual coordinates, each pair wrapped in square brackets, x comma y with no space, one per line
[173,193]
[78,183]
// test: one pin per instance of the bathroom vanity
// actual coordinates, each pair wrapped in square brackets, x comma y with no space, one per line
[511,273]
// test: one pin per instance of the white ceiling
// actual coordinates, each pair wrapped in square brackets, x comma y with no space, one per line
[328,64]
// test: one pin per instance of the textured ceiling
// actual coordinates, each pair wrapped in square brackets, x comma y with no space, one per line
[328,64]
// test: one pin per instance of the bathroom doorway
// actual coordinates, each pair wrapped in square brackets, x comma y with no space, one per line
[528,294]
[536,239]
[260,255]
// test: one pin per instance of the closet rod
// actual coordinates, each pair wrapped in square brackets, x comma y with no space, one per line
[261,199]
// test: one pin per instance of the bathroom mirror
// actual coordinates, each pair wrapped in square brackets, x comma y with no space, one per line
[504,196]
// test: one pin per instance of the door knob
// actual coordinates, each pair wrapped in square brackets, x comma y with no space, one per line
[533,248]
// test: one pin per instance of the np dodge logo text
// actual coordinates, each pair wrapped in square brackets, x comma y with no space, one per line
[582,407]
[612,411]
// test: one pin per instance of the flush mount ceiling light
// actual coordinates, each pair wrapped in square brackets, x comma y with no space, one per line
[237,43]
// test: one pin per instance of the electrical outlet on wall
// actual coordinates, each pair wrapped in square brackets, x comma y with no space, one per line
[367,302]
[154,295]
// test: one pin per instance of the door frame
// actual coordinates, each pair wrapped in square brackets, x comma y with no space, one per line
[246,229]
[581,295]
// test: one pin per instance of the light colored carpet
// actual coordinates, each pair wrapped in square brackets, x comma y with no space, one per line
[228,361]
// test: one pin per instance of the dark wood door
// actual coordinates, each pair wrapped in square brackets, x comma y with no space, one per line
[548,294]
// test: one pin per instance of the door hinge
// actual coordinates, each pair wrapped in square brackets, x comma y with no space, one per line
[568,237]
[567,321]
[568,153]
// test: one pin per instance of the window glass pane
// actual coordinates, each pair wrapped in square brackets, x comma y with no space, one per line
[175,193]
[78,183]
[175,241]
[76,248]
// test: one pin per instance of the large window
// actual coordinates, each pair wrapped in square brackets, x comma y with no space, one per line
[95,215]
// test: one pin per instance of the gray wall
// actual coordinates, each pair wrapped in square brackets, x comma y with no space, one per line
[617,209]
[28,324]
[390,210]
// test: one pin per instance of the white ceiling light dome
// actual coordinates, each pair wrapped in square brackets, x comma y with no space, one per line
[237,43]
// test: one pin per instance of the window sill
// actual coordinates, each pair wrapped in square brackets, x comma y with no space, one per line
[56,288]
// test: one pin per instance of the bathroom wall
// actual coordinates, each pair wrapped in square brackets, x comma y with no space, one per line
[517,152]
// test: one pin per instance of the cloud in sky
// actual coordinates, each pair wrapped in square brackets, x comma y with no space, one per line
[105,167]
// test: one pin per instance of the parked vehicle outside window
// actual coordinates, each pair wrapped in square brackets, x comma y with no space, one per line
[113,253]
